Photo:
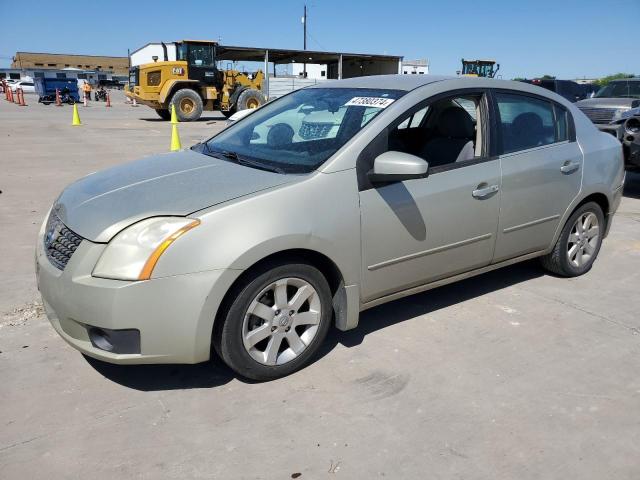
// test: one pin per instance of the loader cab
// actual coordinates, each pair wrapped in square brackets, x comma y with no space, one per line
[201,60]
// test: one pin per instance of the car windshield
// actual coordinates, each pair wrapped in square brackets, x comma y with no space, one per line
[300,131]
[620,89]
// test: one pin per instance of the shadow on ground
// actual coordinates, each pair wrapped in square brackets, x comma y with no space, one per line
[214,373]
[205,118]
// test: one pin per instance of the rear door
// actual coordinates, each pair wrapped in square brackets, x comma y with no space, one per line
[541,165]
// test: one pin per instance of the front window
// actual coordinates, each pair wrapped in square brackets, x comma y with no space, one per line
[620,89]
[300,131]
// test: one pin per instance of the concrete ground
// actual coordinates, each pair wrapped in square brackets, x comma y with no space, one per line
[511,375]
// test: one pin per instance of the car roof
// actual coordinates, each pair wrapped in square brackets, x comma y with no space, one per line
[411,82]
[392,82]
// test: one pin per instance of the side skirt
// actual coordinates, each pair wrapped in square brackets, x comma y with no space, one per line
[448,280]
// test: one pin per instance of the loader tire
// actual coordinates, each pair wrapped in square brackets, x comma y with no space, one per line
[250,98]
[188,105]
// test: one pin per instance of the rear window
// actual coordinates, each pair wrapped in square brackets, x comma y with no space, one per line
[525,122]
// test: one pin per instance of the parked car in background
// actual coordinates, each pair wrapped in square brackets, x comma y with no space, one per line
[258,240]
[612,110]
[627,129]
[27,86]
[569,89]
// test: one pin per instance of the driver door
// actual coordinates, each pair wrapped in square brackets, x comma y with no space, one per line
[421,230]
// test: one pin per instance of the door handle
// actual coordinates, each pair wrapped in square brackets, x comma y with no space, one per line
[569,167]
[484,191]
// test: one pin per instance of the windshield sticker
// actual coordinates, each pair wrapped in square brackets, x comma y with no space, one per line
[376,102]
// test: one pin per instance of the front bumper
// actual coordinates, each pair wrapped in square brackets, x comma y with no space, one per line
[173,315]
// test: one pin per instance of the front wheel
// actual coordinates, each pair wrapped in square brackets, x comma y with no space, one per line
[578,244]
[276,322]
[250,98]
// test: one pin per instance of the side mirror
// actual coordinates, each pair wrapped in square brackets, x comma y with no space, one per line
[397,166]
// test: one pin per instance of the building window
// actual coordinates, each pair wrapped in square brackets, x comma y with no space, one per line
[39,64]
[79,66]
[66,64]
[405,72]
[82,76]
[52,64]
[111,67]
[323,73]
[421,73]
[38,74]
[87,66]
[61,75]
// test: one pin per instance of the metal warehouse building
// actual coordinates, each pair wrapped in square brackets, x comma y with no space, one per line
[59,61]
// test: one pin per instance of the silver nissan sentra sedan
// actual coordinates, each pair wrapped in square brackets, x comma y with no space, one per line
[321,204]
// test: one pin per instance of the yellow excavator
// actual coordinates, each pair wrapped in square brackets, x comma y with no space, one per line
[193,83]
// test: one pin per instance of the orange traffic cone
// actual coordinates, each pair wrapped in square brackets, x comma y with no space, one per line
[108,100]
[21,101]
[58,99]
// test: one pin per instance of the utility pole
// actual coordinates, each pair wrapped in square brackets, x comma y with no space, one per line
[304,27]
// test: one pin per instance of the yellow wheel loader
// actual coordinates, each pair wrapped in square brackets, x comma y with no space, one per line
[193,83]
[479,68]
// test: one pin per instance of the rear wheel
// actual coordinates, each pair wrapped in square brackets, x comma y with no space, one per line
[578,244]
[276,322]
[164,114]
[188,105]
[250,98]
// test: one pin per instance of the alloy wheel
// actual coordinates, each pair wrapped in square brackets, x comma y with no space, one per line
[583,239]
[281,321]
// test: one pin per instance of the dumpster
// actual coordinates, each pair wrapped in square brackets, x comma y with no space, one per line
[46,89]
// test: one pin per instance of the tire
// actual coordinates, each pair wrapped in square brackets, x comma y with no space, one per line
[577,247]
[250,98]
[269,354]
[164,114]
[188,105]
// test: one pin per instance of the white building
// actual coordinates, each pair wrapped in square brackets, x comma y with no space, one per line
[314,70]
[415,67]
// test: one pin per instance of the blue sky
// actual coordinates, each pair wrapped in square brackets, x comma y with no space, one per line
[566,38]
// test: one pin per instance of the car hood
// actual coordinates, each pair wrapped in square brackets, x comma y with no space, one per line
[99,205]
[606,103]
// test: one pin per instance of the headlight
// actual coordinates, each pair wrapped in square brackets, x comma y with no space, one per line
[133,253]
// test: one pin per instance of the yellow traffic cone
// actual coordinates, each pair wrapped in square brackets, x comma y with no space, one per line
[175,138]
[174,117]
[76,117]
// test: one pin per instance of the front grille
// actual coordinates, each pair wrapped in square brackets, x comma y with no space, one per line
[309,131]
[59,242]
[599,115]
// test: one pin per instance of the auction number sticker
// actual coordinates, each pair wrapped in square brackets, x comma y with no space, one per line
[376,102]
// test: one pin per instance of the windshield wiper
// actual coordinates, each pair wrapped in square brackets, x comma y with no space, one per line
[249,163]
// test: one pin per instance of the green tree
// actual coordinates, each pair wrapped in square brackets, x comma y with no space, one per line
[548,77]
[616,76]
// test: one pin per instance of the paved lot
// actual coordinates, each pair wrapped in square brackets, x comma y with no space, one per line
[511,375]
